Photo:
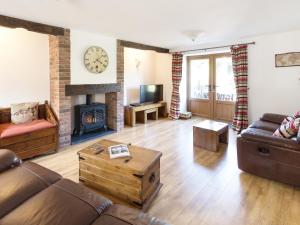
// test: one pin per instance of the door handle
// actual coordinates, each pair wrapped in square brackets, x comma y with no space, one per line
[212,87]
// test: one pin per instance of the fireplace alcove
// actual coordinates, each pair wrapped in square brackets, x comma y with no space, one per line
[92,119]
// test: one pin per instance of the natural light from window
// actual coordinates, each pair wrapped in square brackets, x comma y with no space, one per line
[199,83]
[225,86]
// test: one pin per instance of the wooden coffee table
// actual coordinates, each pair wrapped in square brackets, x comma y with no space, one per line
[208,134]
[134,180]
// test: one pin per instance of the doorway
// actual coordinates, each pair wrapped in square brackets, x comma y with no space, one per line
[211,87]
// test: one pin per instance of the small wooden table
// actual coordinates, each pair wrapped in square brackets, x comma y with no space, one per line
[134,113]
[208,134]
[134,180]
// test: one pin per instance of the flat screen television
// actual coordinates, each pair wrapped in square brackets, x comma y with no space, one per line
[151,93]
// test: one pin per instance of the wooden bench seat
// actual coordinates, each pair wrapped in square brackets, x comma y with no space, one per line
[10,130]
[30,139]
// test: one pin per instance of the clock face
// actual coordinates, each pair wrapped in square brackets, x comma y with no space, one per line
[95,59]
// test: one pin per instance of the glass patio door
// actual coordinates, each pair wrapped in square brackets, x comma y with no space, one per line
[200,86]
[211,87]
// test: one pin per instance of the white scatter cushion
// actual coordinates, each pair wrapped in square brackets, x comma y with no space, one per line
[24,112]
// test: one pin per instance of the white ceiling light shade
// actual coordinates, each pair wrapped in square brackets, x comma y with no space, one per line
[193,35]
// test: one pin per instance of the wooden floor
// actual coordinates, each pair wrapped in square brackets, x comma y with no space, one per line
[200,187]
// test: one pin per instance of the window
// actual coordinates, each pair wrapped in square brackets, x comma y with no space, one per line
[199,78]
[225,85]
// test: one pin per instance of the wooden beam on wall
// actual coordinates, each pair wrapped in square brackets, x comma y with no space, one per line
[12,22]
[84,89]
[130,44]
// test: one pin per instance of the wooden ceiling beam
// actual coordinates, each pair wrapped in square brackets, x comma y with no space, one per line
[130,44]
[12,22]
[85,89]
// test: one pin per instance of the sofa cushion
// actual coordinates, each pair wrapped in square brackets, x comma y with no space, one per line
[24,112]
[264,125]
[63,203]
[273,118]
[11,130]
[21,183]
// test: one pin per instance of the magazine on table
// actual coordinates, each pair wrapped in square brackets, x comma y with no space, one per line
[117,151]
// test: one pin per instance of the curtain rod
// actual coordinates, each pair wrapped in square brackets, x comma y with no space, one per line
[224,46]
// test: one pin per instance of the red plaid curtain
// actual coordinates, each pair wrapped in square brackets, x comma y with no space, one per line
[240,70]
[176,79]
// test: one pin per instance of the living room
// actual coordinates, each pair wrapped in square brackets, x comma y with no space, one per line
[149,112]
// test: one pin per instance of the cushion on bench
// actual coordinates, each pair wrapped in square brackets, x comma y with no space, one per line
[11,130]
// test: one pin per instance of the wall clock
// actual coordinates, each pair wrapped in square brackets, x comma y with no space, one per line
[95,59]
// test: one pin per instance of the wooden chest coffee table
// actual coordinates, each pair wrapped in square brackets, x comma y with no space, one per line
[134,180]
[208,134]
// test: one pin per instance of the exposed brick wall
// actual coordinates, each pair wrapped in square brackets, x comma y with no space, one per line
[120,80]
[59,49]
[60,75]
[114,101]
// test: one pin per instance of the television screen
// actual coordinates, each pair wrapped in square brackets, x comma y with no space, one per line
[151,93]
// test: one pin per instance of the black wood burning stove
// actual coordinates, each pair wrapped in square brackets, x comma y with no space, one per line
[89,117]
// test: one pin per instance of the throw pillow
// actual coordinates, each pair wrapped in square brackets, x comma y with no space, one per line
[296,114]
[24,112]
[288,129]
[290,118]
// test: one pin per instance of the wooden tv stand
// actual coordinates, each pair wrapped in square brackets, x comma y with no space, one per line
[140,113]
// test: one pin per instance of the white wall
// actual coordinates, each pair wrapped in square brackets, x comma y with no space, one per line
[24,67]
[273,89]
[80,42]
[163,74]
[146,67]
[139,68]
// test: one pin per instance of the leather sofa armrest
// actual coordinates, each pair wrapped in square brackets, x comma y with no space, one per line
[273,118]
[8,159]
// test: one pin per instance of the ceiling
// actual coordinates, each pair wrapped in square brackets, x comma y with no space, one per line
[163,23]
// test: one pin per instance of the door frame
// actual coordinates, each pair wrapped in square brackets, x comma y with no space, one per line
[212,84]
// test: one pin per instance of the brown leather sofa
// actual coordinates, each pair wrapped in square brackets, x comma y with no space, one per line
[33,195]
[262,154]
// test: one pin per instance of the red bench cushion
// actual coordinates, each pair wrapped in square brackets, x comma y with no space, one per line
[11,130]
